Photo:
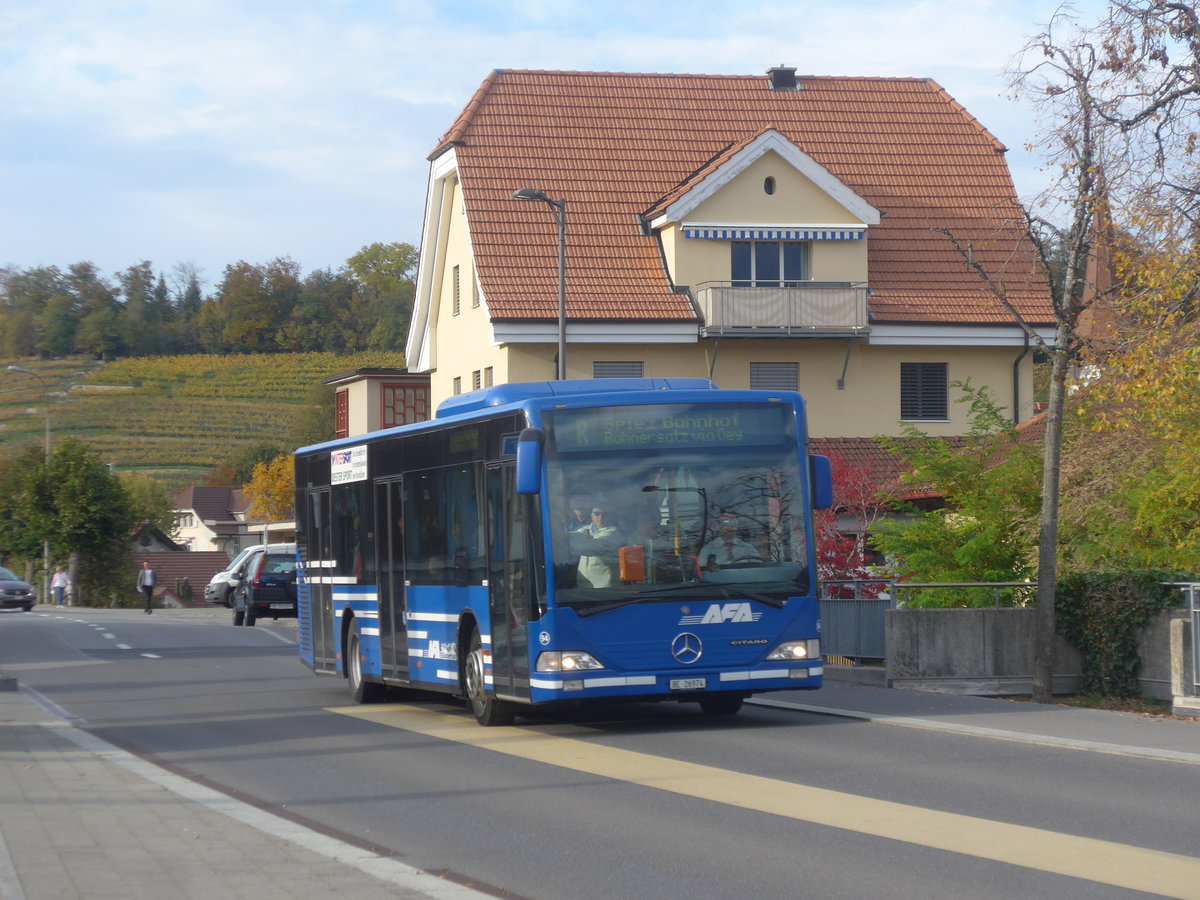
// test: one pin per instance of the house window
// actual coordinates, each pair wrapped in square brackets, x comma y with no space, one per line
[774,376]
[767,263]
[457,292]
[924,392]
[341,413]
[612,369]
[476,380]
[457,385]
[185,520]
[400,404]
[474,292]
[487,377]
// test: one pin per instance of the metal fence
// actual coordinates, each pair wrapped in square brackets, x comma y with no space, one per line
[1191,594]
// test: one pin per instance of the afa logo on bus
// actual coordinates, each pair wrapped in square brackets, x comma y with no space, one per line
[719,613]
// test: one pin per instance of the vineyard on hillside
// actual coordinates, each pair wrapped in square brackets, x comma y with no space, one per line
[170,415]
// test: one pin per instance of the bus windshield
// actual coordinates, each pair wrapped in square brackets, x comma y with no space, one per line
[654,501]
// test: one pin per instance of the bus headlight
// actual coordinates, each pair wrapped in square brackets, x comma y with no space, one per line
[810,649]
[567,661]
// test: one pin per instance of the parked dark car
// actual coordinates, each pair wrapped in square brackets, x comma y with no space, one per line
[18,594]
[267,589]
[220,588]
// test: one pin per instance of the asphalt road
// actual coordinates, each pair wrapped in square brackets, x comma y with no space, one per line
[624,801]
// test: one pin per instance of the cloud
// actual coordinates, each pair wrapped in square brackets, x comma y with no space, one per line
[221,129]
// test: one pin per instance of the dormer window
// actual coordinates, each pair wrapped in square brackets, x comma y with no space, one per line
[768,263]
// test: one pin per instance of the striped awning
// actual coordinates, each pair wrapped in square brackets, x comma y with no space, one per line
[711,233]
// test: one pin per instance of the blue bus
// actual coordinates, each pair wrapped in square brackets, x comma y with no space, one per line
[637,539]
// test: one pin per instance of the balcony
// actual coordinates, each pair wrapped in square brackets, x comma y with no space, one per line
[812,308]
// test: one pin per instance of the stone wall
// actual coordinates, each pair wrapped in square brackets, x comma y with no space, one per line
[990,652]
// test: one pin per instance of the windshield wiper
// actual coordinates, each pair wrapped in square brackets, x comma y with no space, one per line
[700,588]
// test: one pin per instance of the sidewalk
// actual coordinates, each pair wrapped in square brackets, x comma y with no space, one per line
[80,818]
[83,820]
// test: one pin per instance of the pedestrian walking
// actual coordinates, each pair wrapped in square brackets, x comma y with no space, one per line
[145,582]
[59,584]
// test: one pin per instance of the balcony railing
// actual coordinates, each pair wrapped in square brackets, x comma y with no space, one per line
[819,308]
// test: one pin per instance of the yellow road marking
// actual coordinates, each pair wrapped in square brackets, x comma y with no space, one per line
[1107,862]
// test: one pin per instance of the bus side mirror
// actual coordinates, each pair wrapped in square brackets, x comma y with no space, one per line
[529,460]
[822,481]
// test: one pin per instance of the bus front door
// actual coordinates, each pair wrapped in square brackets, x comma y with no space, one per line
[509,583]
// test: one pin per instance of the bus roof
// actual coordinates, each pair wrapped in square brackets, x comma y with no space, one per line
[467,406]
[503,394]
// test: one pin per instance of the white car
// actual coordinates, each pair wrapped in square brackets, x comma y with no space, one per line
[220,588]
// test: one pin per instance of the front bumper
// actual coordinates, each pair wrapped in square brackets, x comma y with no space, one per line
[675,685]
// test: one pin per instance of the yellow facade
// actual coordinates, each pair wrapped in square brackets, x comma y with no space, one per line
[795,201]
[851,384]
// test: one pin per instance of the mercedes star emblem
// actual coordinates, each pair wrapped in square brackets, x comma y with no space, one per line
[686,648]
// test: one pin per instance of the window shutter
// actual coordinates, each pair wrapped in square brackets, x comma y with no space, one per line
[616,369]
[774,376]
[924,391]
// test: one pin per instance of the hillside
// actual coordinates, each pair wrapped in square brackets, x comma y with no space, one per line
[172,416]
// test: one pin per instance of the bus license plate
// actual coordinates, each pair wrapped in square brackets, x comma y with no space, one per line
[281,606]
[688,684]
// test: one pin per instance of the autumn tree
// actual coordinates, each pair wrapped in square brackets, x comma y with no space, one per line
[271,490]
[1116,103]
[249,307]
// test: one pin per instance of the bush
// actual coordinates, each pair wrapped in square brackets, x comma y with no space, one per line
[1101,613]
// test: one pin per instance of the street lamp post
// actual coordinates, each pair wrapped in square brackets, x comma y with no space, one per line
[559,208]
[45,541]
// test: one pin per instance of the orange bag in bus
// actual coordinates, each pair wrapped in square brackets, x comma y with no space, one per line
[631,563]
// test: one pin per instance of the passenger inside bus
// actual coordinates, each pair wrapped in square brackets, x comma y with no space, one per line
[596,545]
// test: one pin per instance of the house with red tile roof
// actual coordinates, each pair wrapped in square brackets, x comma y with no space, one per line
[210,517]
[778,231]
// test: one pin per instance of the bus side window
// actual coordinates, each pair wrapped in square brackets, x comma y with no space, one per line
[425,535]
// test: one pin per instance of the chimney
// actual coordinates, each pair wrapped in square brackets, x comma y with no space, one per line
[783,78]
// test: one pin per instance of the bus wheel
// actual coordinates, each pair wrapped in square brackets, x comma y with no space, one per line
[487,709]
[721,704]
[361,690]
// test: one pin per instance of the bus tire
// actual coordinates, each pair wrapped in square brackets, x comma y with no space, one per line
[488,711]
[361,690]
[721,704]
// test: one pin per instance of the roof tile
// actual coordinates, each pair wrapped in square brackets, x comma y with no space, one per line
[617,145]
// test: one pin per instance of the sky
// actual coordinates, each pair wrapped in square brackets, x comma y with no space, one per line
[207,132]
